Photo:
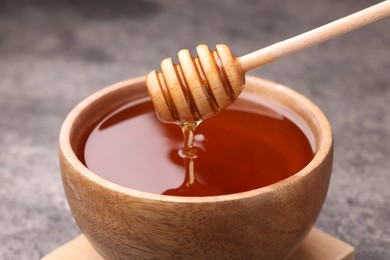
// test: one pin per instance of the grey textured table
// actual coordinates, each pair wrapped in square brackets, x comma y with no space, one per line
[55,53]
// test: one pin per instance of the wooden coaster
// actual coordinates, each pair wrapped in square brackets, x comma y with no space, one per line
[317,246]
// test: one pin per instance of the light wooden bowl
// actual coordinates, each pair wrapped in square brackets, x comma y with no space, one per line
[266,223]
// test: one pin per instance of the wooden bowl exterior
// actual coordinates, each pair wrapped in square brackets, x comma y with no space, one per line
[266,223]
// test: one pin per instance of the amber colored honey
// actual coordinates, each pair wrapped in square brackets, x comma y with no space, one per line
[245,147]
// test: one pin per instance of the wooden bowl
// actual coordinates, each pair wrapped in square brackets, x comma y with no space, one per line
[265,223]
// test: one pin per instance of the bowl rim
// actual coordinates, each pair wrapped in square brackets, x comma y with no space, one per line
[324,147]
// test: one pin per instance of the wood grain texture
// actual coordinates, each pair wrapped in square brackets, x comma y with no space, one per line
[122,223]
[317,246]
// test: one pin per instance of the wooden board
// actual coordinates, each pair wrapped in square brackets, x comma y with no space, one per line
[321,246]
[317,246]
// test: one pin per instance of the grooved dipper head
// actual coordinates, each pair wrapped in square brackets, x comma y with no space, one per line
[197,87]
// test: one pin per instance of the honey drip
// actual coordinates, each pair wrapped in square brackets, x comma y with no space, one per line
[191,186]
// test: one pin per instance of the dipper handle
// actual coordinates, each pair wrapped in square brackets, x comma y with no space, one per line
[326,32]
[200,87]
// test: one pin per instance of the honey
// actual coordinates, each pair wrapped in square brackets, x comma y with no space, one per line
[246,146]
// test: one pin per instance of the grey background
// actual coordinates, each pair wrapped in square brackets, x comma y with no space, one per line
[53,54]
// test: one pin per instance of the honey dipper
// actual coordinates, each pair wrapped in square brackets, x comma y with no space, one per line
[200,87]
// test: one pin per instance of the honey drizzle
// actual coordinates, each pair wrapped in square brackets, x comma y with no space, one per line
[189,151]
